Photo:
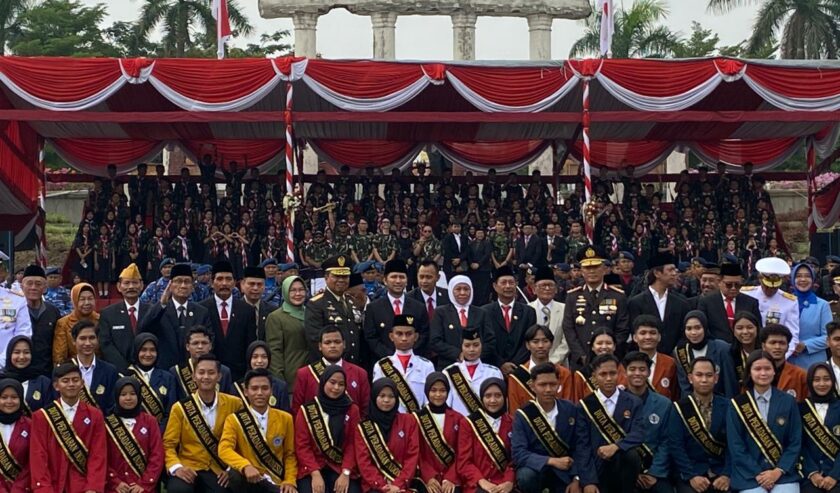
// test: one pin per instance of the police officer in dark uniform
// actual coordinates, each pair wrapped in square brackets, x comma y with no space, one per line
[593,305]
[827,281]
[334,307]
[834,279]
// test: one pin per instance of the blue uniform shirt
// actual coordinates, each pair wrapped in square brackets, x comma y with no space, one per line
[60,298]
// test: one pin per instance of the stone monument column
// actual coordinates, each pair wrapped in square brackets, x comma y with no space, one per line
[305,33]
[539,29]
[384,35]
[463,35]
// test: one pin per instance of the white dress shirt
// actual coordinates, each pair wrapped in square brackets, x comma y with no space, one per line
[426,297]
[87,372]
[209,412]
[496,423]
[178,306]
[228,306]
[822,410]
[129,423]
[391,299]
[660,301]
[836,372]
[69,411]
[652,366]
[440,419]
[610,402]
[544,319]
[262,420]
[552,415]
[136,307]
[6,432]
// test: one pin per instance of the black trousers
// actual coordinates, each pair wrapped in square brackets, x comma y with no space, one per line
[661,486]
[528,480]
[304,485]
[240,484]
[205,482]
[619,474]
[808,487]
[685,487]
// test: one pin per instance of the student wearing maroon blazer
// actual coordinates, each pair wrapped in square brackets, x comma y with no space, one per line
[439,468]
[331,345]
[324,445]
[481,472]
[389,431]
[14,426]
[143,430]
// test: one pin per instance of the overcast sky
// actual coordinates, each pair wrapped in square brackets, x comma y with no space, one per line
[344,35]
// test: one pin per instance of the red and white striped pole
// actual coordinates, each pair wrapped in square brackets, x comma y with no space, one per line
[41,222]
[290,167]
[587,171]
[812,164]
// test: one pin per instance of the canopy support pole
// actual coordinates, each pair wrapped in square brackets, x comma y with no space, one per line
[588,211]
[290,204]
[812,164]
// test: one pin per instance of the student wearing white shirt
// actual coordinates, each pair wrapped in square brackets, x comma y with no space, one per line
[131,425]
[470,371]
[821,472]
[14,428]
[407,370]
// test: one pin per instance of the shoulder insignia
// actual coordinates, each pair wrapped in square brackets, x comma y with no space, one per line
[746,289]
[832,302]
[492,367]
[788,295]
[614,288]
[574,289]
[422,359]
[317,297]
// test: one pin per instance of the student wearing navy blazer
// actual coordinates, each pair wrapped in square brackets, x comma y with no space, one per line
[98,375]
[820,472]
[751,471]
[162,382]
[691,460]
[624,465]
[696,343]
[536,468]
[38,389]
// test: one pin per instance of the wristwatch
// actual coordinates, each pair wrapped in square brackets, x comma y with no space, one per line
[346,472]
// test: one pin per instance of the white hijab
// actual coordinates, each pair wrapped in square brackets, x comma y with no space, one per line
[456,281]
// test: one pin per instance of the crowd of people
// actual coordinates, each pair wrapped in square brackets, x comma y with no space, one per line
[597,370]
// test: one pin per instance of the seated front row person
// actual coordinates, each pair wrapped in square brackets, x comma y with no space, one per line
[820,418]
[439,428]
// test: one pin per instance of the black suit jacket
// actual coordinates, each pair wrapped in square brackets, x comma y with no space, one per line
[534,253]
[265,309]
[510,346]
[557,252]
[442,297]
[676,307]
[242,331]
[43,331]
[446,330]
[450,250]
[163,322]
[116,339]
[379,318]
[480,252]
[712,305]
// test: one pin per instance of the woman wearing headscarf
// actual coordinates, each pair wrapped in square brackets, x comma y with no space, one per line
[449,320]
[814,315]
[763,433]
[84,308]
[483,472]
[158,387]
[602,342]
[135,449]
[387,442]
[697,343]
[439,428]
[820,416]
[745,329]
[284,332]
[258,356]
[324,429]
[14,428]
[37,389]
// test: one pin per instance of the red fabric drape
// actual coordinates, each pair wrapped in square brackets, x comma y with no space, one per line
[365,79]
[658,78]
[214,81]
[806,83]
[102,152]
[61,80]
[246,153]
[19,149]
[494,153]
[758,152]
[365,153]
[623,154]
[513,86]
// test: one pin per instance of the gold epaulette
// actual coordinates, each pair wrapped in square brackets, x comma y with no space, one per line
[747,289]
[574,289]
[614,288]
[788,295]
[317,297]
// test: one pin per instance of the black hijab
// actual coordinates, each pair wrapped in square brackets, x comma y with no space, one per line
[431,379]
[699,315]
[337,408]
[485,385]
[139,340]
[385,419]
[832,395]
[20,374]
[253,347]
[9,418]
[118,409]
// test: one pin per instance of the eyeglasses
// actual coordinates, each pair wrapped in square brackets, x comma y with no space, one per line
[732,285]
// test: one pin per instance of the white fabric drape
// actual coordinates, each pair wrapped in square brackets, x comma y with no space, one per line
[489,106]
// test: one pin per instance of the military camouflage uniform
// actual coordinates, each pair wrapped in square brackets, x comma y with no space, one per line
[431,249]
[154,291]
[60,298]
[501,245]
[362,245]
[385,244]
[575,244]
[343,245]
[201,292]
[316,252]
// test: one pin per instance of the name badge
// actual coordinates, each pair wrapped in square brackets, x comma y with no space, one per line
[118,327]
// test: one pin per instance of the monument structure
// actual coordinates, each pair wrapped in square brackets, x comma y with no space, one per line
[383,15]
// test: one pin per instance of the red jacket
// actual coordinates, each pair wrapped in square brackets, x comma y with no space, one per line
[358,387]
[309,456]
[19,447]
[475,464]
[55,473]
[404,444]
[430,467]
[147,432]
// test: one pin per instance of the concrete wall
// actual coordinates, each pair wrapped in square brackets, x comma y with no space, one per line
[67,204]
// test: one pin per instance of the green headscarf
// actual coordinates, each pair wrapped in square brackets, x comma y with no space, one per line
[295,311]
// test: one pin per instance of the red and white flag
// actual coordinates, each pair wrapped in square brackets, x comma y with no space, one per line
[223,32]
[607,26]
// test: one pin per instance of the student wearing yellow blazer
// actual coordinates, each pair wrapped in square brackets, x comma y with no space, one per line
[194,464]
[259,443]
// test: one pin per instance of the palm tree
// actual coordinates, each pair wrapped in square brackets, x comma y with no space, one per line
[807,29]
[187,24]
[637,33]
[10,12]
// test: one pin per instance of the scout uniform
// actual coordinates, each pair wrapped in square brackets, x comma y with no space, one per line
[465,379]
[328,307]
[781,308]
[408,372]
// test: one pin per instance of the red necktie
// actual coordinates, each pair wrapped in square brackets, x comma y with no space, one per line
[463,318]
[471,369]
[397,310]
[730,313]
[132,318]
[404,360]
[430,308]
[507,317]
[224,318]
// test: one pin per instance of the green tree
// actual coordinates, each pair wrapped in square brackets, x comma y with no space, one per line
[61,28]
[270,45]
[127,39]
[188,26]
[806,29]
[10,14]
[638,33]
[701,43]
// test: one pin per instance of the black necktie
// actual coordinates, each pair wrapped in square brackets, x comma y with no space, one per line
[182,317]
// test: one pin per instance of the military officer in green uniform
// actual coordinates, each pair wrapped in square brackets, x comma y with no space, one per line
[362,248]
[502,253]
[332,306]
[316,252]
[595,304]
[576,241]
[428,247]
[835,285]
[343,241]
[385,244]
